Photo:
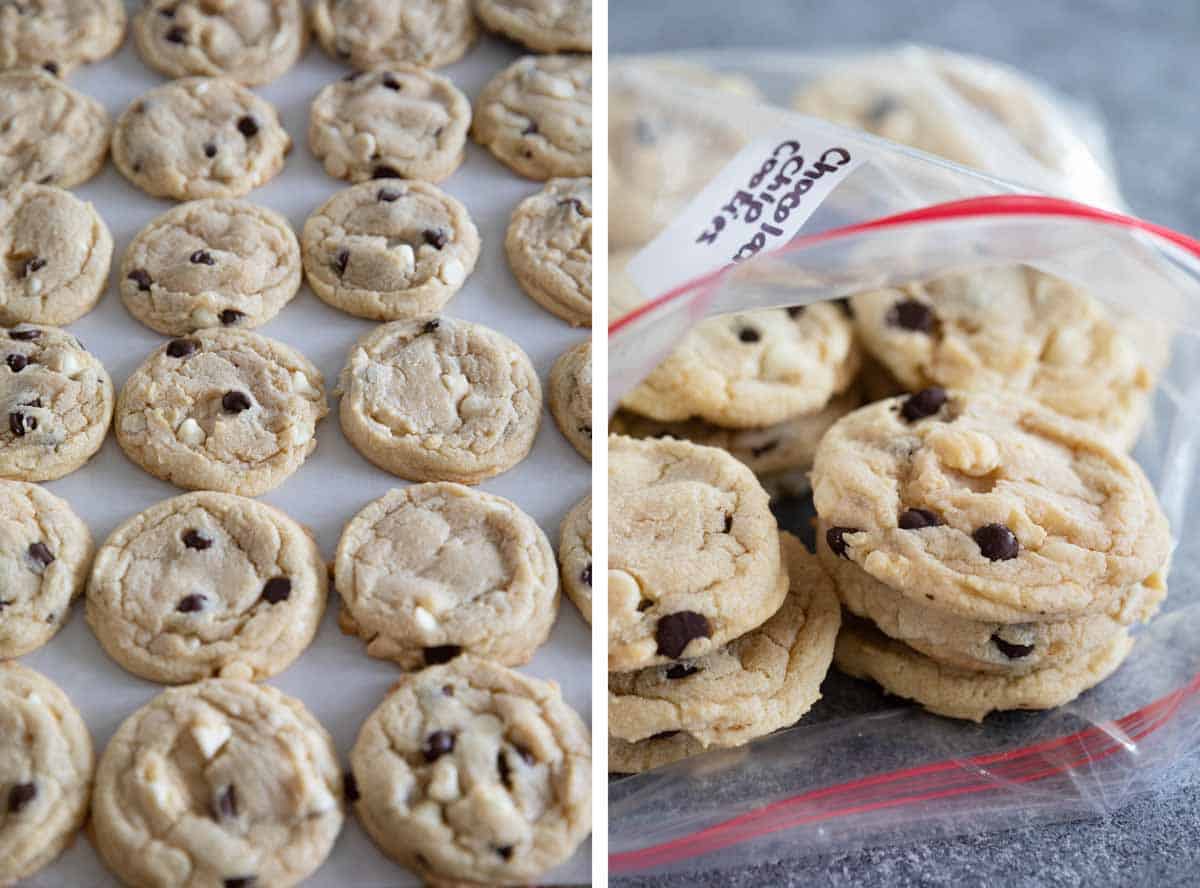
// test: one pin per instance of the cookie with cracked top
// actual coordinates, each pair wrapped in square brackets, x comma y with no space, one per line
[50,134]
[58,35]
[575,555]
[570,397]
[549,247]
[369,34]
[542,25]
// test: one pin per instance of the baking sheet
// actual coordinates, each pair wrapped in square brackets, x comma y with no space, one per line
[334,677]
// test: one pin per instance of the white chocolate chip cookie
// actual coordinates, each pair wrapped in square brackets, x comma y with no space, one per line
[575,556]
[224,409]
[549,247]
[57,35]
[389,250]
[207,585]
[439,399]
[49,133]
[542,25]
[570,397]
[375,33]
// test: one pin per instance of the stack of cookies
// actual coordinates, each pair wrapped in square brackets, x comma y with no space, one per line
[994,552]
[764,386]
[721,629]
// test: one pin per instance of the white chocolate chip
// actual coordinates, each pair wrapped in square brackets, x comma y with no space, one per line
[200,88]
[35,285]
[301,384]
[279,42]
[408,259]
[425,619]
[189,432]
[443,783]
[363,145]
[203,317]
[66,363]
[452,272]
[210,737]
[559,88]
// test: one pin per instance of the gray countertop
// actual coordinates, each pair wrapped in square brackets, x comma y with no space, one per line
[1138,66]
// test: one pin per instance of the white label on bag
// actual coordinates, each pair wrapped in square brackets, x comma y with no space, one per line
[756,203]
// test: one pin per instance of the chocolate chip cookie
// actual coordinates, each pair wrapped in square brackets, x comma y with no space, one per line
[57,35]
[222,409]
[575,556]
[250,41]
[50,134]
[389,250]
[754,369]
[45,552]
[401,123]
[199,137]
[542,25]
[207,585]
[472,773]
[990,507]
[549,247]
[762,681]
[56,402]
[56,251]
[439,399]
[693,552]
[432,571]
[46,765]
[536,116]
[375,33]
[1012,329]
[570,397]
[221,782]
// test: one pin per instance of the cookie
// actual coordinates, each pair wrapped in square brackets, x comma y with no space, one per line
[46,765]
[210,263]
[389,250]
[536,116]
[570,397]
[549,247]
[990,507]
[207,585]
[787,446]
[199,137]
[753,369]
[376,33]
[864,652]
[45,553]
[986,646]
[57,252]
[472,773]
[221,782]
[693,552]
[656,752]
[56,402]
[1011,329]
[439,399]
[50,134]
[764,680]
[223,409]
[541,25]
[57,35]
[402,123]
[432,571]
[575,556]
[251,41]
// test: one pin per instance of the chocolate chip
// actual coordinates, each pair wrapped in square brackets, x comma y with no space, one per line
[210,150]
[442,653]
[16,363]
[241,882]
[573,202]
[176,34]
[194,539]
[835,538]
[435,237]
[52,67]
[506,852]
[644,605]
[530,129]
[248,127]
[235,402]
[340,261]
[681,670]
[644,132]
[675,631]
[924,403]
[231,316]
[749,334]
[142,278]
[277,589]
[4,604]
[915,519]
[437,745]
[36,402]
[181,348]
[202,257]
[1010,650]
[430,326]
[387,195]
[662,735]
[763,448]
[31,265]
[795,311]
[352,76]
[586,430]
[882,107]
[447,690]
[24,335]
[350,787]
[19,423]
[190,604]
[997,542]
[504,769]
[46,180]
[845,306]
[911,315]
[389,80]
[385,172]
[20,796]
[526,756]
[586,576]
[167,12]
[226,805]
